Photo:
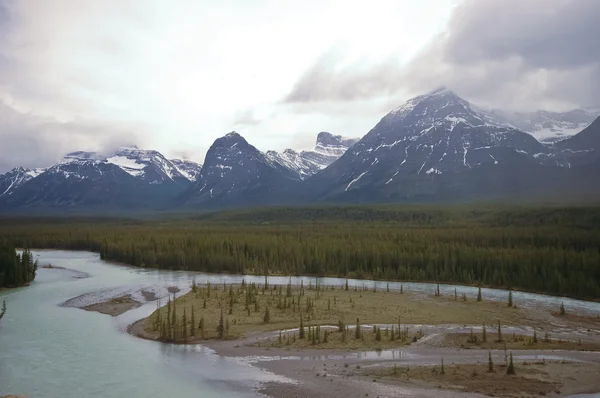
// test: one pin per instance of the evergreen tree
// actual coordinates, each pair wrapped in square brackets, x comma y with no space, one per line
[484,333]
[535,339]
[301,330]
[221,327]
[500,339]
[193,324]
[357,331]
[378,334]
[479,298]
[267,316]
[3,311]
[184,326]
[562,309]
[510,298]
[442,370]
[490,362]
[511,367]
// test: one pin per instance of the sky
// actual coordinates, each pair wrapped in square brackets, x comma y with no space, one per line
[175,75]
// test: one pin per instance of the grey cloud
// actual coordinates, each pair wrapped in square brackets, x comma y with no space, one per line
[245,118]
[520,54]
[557,34]
[328,79]
[33,141]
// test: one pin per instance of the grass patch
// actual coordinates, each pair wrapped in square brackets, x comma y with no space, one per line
[244,309]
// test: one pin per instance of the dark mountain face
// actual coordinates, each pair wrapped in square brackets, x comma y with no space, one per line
[236,173]
[77,180]
[87,180]
[430,136]
[582,148]
[12,180]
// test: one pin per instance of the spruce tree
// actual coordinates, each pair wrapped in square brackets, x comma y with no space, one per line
[3,311]
[484,333]
[267,316]
[357,331]
[184,326]
[442,370]
[193,324]
[500,339]
[562,309]
[378,334]
[479,294]
[301,331]
[510,298]
[490,362]
[174,314]
[221,327]
[511,367]
[535,339]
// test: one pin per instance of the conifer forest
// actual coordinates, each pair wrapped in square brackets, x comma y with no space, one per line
[554,250]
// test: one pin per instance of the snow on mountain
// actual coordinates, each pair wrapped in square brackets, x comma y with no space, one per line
[190,170]
[546,127]
[235,171]
[429,136]
[15,178]
[147,165]
[306,163]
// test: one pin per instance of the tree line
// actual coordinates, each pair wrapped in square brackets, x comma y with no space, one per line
[16,269]
[554,250]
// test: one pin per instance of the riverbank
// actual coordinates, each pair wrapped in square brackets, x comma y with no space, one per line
[351,364]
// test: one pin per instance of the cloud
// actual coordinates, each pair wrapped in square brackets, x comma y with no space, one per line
[34,141]
[517,54]
[333,78]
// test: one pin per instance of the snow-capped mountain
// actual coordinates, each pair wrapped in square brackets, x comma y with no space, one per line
[190,170]
[15,178]
[582,148]
[148,165]
[430,135]
[128,177]
[306,163]
[546,127]
[235,171]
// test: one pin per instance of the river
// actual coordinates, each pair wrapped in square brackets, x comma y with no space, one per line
[49,350]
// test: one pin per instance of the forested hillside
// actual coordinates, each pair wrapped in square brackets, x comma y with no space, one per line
[552,250]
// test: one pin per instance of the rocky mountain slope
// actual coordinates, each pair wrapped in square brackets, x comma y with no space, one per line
[307,163]
[546,127]
[236,173]
[12,180]
[437,146]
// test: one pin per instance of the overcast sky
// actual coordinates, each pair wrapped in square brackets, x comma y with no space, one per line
[175,75]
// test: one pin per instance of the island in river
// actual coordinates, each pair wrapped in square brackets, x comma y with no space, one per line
[468,342]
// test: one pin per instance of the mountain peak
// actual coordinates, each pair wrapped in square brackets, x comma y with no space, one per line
[230,140]
[325,138]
